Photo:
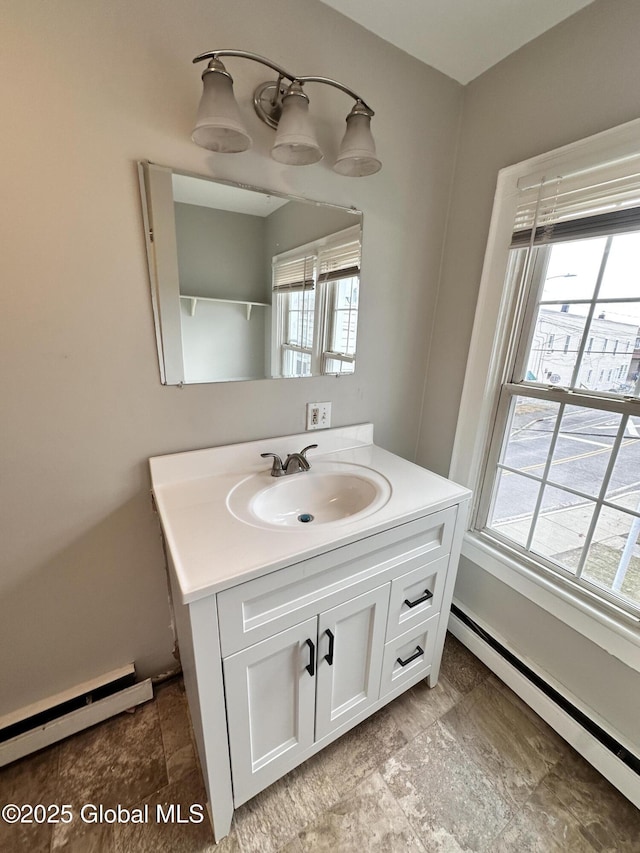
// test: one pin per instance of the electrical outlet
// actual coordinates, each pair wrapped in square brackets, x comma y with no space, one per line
[318,415]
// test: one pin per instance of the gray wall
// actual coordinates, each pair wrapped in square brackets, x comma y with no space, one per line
[294,225]
[82,581]
[576,80]
[221,253]
[219,343]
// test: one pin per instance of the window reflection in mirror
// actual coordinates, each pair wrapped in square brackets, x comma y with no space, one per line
[248,284]
[315,306]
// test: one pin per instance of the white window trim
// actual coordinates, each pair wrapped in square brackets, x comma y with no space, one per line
[495,312]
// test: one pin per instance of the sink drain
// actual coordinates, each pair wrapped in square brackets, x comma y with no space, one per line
[305,517]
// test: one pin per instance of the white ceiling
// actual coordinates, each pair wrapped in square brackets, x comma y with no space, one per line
[461,38]
[204,193]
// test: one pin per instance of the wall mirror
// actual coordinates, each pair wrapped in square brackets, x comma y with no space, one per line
[248,284]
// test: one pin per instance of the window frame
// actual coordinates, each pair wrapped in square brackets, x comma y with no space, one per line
[492,350]
[282,314]
[519,385]
[330,293]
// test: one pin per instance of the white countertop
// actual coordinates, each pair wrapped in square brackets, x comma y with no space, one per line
[212,550]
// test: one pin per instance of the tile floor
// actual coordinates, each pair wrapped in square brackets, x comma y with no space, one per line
[464,767]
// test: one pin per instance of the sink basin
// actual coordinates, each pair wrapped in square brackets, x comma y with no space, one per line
[330,493]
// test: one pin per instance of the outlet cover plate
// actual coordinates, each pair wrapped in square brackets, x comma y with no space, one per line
[318,415]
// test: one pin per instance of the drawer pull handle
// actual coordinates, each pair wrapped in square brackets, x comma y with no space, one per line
[427,595]
[311,666]
[413,657]
[329,655]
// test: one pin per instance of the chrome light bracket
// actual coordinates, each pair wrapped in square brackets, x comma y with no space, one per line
[267,101]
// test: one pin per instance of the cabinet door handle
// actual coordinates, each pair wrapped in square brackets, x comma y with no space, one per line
[415,655]
[329,655]
[427,595]
[311,666]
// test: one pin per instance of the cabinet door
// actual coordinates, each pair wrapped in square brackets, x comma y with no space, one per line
[350,650]
[270,692]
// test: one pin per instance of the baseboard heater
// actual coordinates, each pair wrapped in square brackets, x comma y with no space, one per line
[629,759]
[54,719]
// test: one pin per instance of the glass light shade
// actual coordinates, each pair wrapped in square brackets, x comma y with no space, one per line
[295,143]
[357,155]
[219,126]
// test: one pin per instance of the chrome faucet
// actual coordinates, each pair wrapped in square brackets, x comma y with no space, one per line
[293,464]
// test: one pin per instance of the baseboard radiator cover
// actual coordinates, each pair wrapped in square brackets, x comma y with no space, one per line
[616,762]
[65,714]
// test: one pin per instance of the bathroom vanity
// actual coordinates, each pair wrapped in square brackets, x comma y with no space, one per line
[302,603]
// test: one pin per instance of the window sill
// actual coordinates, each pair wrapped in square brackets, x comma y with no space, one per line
[617,635]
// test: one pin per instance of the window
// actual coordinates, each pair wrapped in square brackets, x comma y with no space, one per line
[600,176]
[294,300]
[342,315]
[339,277]
[315,306]
[562,475]
[299,313]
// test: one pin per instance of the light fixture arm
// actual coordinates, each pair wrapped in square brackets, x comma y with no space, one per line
[283,73]
[283,105]
[337,85]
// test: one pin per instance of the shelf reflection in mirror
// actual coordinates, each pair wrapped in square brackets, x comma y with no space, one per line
[246,283]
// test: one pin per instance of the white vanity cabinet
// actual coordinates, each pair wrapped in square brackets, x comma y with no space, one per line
[286,655]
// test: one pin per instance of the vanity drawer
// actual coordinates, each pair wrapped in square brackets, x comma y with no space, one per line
[415,649]
[257,609]
[416,596]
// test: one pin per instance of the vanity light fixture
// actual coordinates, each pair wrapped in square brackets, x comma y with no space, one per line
[284,106]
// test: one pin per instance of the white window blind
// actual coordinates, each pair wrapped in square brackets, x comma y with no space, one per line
[294,274]
[339,261]
[595,201]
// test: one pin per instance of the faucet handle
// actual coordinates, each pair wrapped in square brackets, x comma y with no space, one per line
[308,447]
[277,469]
